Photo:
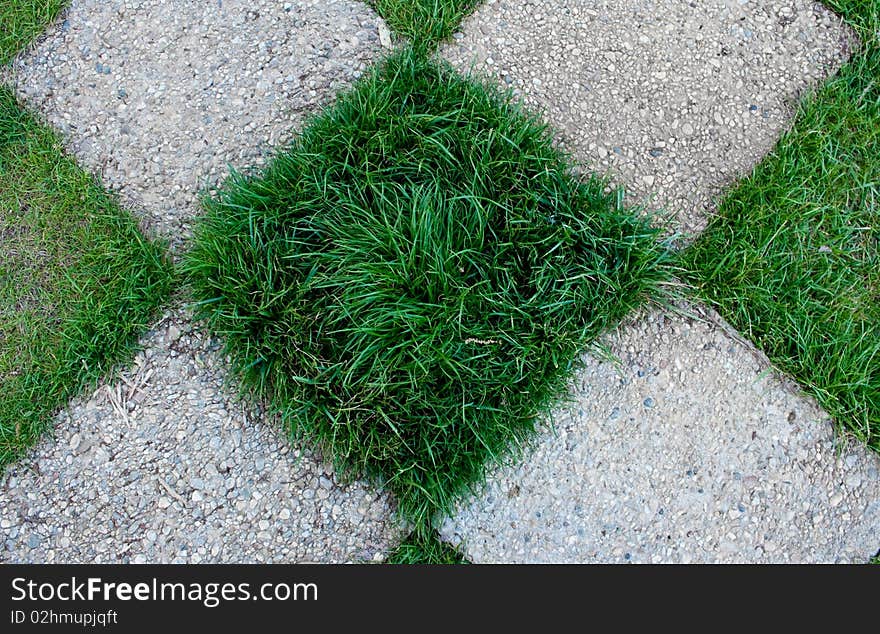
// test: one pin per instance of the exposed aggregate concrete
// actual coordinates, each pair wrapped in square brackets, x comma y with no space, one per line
[690,451]
[158,98]
[166,465]
[673,99]
[696,450]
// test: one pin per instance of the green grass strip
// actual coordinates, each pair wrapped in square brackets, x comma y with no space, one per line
[23,20]
[420,549]
[78,281]
[793,258]
[424,22]
[412,282]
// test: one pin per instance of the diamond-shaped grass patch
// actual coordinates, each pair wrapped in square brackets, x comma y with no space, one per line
[411,282]
[78,281]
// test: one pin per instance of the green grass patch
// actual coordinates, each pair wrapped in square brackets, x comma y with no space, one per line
[421,548]
[411,282]
[863,15]
[424,22]
[793,257]
[78,281]
[23,20]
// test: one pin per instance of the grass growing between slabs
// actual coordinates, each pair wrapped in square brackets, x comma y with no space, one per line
[78,281]
[21,21]
[411,283]
[793,258]
[421,548]
[424,22]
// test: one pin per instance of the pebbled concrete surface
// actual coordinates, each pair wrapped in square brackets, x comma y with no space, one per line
[693,451]
[165,465]
[690,451]
[697,451]
[674,99]
[158,98]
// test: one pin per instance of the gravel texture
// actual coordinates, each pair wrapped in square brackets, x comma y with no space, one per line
[674,99]
[165,465]
[693,450]
[689,451]
[158,98]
